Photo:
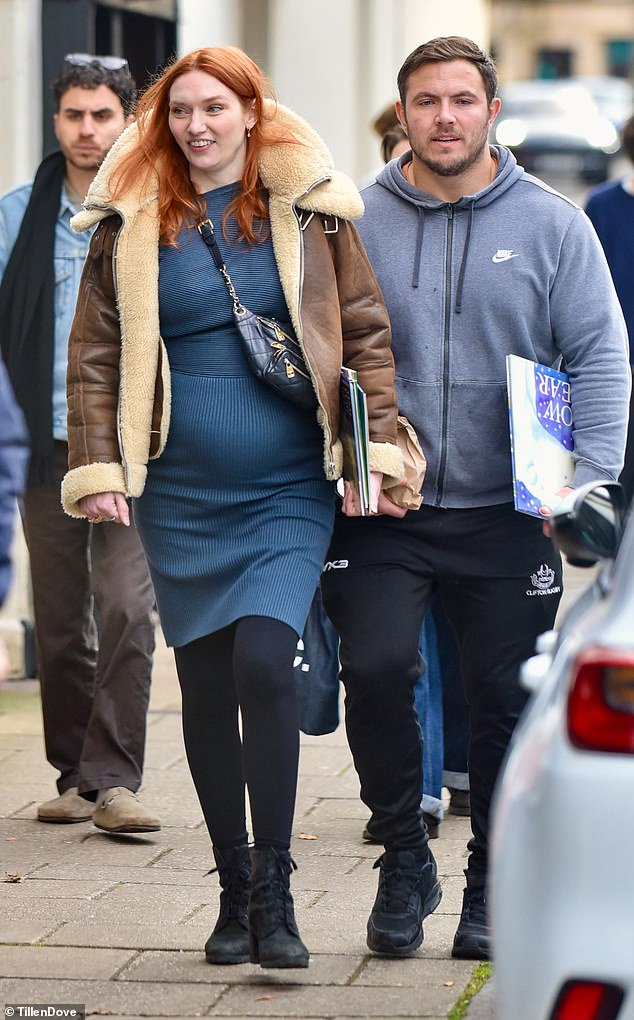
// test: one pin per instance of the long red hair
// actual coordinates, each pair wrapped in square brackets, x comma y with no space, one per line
[157,151]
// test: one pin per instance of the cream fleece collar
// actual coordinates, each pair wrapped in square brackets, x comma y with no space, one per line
[302,174]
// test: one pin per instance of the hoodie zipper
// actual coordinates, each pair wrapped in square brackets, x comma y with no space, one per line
[117,212]
[326,422]
[444,416]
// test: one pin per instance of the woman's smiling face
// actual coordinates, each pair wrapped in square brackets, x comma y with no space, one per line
[209,124]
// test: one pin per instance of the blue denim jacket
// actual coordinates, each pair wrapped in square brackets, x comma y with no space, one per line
[14,454]
[69,257]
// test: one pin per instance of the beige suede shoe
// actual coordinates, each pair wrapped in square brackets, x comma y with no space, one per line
[119,810]
[69,807]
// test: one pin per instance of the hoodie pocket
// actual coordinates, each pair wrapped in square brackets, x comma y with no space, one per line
[478,462]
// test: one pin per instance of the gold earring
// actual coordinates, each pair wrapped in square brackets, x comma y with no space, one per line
[248,132]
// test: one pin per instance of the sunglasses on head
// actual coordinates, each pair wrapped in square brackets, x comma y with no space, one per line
[86,59]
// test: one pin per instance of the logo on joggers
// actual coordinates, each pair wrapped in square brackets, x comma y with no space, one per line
[542,582]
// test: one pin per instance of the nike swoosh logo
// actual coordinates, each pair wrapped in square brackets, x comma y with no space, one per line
[505,258]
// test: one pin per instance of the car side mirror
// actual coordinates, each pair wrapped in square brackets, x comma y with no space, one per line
[588,523]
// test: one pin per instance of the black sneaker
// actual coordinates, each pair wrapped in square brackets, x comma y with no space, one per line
[472,940]
[407,893]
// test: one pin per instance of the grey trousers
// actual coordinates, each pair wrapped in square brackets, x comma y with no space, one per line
[93,602]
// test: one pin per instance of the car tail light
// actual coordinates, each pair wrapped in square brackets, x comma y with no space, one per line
[587,1000]
[601,701]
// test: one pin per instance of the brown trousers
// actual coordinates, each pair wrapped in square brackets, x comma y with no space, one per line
[93,602]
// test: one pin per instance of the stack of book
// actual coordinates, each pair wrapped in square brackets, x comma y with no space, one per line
[355,438]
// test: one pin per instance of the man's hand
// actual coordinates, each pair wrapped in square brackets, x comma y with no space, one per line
[546,511]
[386,506]
[105,506]
[380,502]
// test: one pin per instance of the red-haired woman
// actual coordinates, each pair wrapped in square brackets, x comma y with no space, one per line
[234,504]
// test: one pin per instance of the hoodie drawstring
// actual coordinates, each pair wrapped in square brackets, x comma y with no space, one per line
[463,264]
[420,230]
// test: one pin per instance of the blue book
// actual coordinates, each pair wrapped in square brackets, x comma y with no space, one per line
[540,419]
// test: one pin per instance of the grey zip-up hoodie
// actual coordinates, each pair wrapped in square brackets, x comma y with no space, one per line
[514,269]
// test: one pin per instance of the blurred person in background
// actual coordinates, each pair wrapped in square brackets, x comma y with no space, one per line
[14,452]
[394,143]
[611,209]
[92,593]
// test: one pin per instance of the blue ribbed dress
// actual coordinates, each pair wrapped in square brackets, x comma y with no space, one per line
[237,513]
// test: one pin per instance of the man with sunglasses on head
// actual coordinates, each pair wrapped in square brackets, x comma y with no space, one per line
[92,595]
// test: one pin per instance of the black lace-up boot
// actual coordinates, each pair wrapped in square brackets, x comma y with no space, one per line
[229,941]
[273,936]
[408,892]
[472,940]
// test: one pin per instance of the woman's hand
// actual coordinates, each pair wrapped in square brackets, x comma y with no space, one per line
[105,506]
[350,504]
[380,502]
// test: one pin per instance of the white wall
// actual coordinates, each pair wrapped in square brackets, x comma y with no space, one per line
[20,91]
[427,19]
[208,23]
[314,67]
[20,154]
[336,62]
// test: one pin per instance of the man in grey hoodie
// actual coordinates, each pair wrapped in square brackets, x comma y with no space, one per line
[476,260]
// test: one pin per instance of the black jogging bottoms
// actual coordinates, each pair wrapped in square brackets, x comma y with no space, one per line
[500,581]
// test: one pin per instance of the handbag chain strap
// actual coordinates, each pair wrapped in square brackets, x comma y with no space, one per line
[206,230]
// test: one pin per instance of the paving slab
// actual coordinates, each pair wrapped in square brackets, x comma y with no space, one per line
[281,1000]
[122,998]
[452,889]
[132,901]
[329,808]
[59,962]
[41,888]
[345,784]
[143,875]
[164,936]
[317,759]
[189,966]
[26,931]
[451,974]
[120,922]
[51,912]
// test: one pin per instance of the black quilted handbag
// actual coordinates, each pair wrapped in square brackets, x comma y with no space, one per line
[274,355]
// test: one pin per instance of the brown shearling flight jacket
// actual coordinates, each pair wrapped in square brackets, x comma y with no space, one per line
[118,379]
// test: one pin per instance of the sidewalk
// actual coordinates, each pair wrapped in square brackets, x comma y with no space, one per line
[118,922]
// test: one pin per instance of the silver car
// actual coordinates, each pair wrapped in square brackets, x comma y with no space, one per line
[556,127]
[562,854]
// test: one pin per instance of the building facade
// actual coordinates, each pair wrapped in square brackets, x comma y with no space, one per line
[561,38]
[333,61]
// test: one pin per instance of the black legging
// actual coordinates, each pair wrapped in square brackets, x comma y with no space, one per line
[246,666]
